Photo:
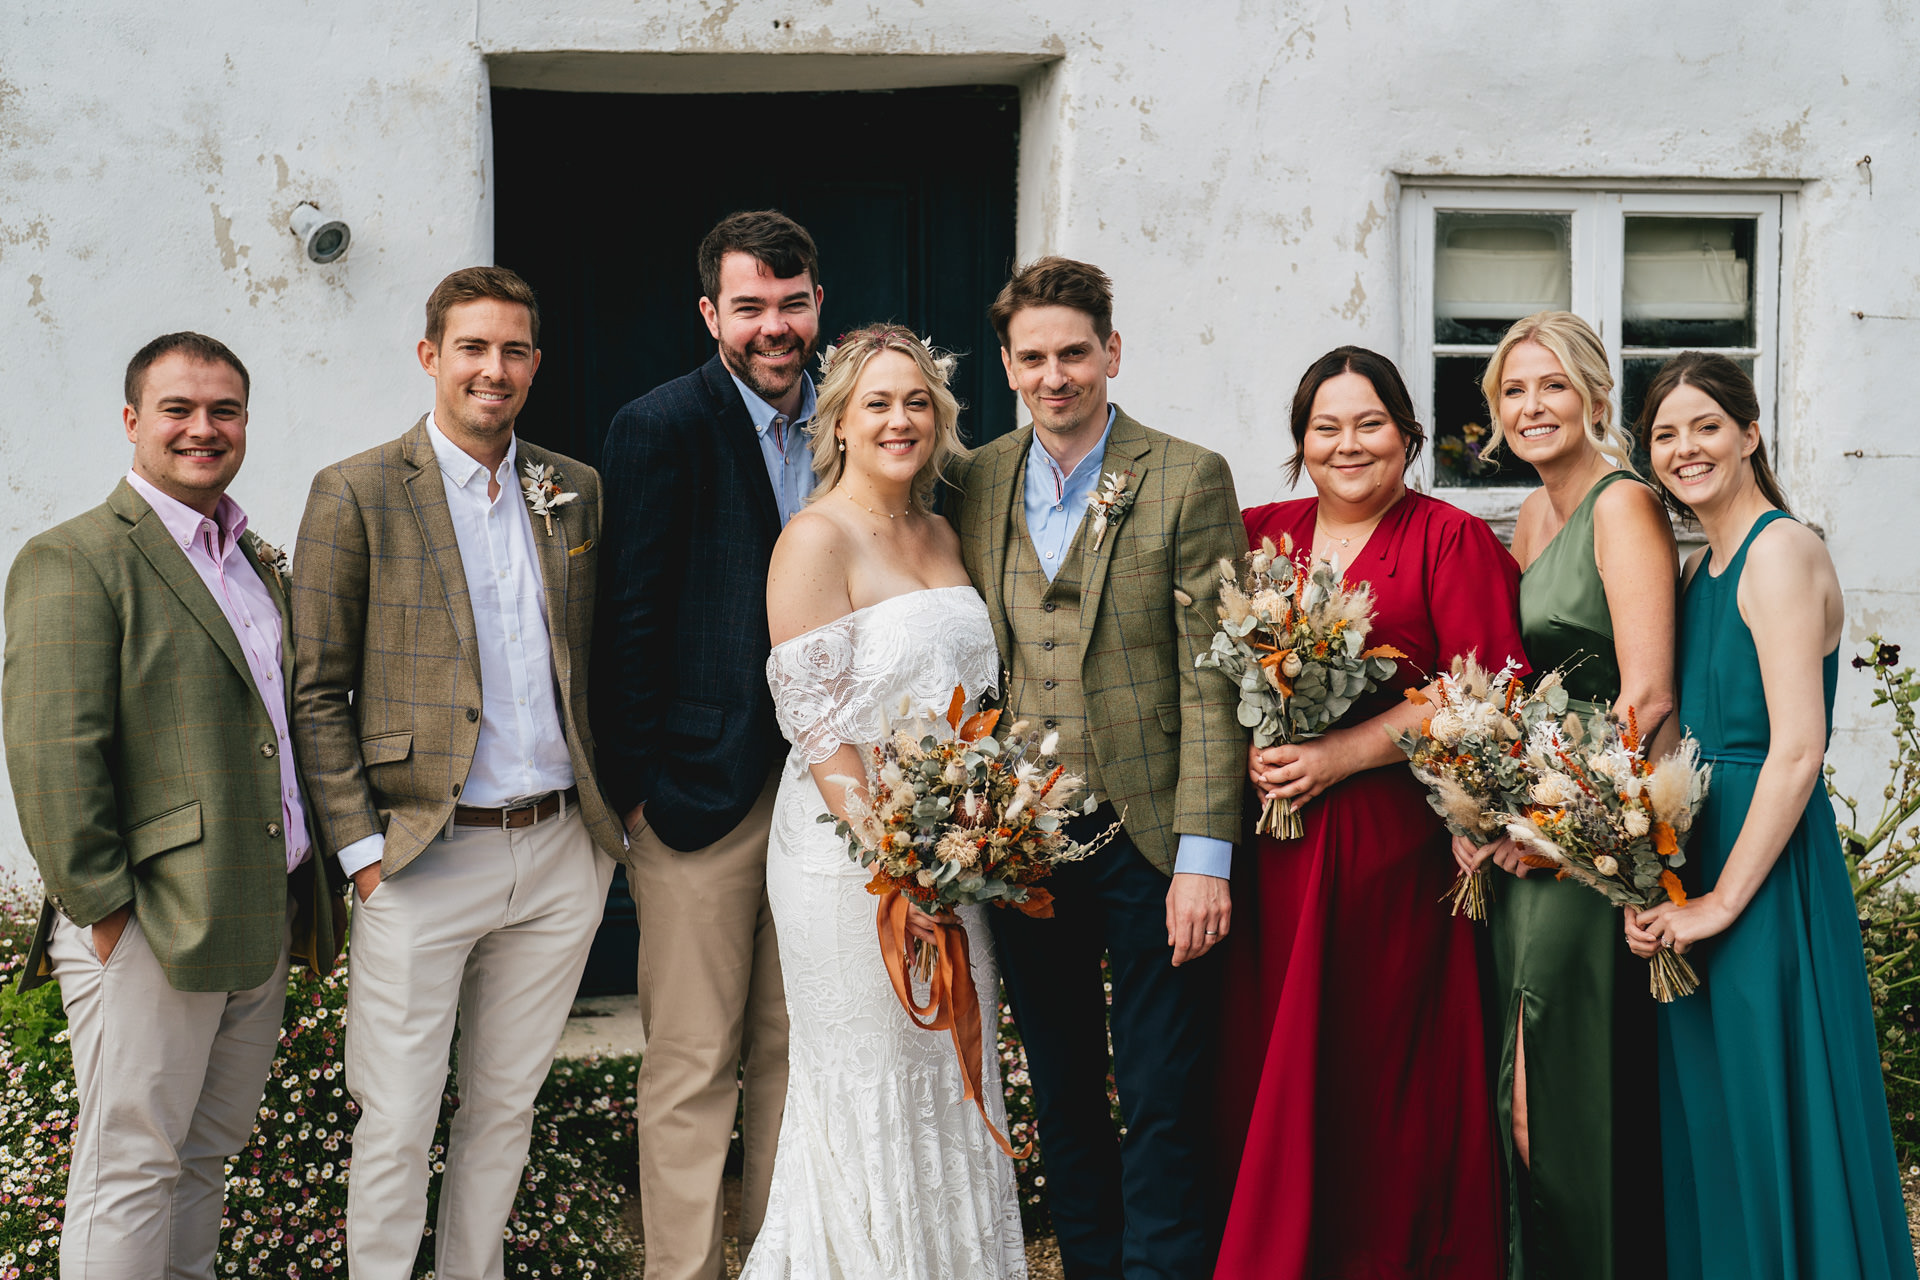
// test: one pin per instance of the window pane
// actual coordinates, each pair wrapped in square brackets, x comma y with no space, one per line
[1689,282]
[1461,430]
[1636,375]
[1490,269]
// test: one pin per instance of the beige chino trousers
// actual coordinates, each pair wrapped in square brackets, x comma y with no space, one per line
[169,1084]
[492,928]
[715,1017]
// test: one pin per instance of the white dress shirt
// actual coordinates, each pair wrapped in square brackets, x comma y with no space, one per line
[213,549]
[522,751]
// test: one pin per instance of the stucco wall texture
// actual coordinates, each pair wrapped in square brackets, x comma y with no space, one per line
[1235,166]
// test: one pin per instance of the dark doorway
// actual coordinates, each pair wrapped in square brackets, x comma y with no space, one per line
[602,198]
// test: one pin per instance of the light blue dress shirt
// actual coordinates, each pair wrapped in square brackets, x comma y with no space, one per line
[1056,503]
[784,446]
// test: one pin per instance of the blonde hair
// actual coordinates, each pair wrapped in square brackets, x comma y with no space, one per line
[840,367]
[1584,358]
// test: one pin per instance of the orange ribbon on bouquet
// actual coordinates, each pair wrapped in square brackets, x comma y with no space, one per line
[952,1003]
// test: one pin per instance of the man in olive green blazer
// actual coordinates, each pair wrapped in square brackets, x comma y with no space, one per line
[1078,530]
[442,614]
[145,708]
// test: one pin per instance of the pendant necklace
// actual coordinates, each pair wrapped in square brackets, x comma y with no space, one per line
[864,507]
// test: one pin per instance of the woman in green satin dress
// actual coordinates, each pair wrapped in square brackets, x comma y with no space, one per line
[1775,1148]
[1566,998]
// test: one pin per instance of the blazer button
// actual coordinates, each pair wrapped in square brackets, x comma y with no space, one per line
[1047,645]
[456,790]
[1050,606]
[1047,684]
[273,829]
[472,714]
[266,749]
[1051,724]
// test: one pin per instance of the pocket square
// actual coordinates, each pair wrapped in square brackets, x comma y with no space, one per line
[583,547]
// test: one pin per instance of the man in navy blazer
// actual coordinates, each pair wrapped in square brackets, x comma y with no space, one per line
[700,476]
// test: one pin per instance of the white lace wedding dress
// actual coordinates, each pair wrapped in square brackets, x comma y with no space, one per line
[884,1170]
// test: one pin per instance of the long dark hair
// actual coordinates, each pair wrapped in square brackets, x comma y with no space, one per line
[1387,384]
[1727,385]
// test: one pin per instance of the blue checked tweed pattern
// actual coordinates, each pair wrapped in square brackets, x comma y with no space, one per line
[1169,749]
[386,664]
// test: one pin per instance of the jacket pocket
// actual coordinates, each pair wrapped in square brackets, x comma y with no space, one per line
[1169,713]
[169,830]
[386,748]
[699,720]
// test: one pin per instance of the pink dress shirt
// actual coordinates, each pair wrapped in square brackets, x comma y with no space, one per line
[213,549]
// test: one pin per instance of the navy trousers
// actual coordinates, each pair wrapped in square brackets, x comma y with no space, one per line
[1137,1207]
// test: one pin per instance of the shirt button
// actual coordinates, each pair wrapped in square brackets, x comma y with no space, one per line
[503,573]
[273,829]
[266,748]
[1049,555]
[1059,506]
[1046,644]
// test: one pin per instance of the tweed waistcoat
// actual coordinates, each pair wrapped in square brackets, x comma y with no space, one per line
[1043,666]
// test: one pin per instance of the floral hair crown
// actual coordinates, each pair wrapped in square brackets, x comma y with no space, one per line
[879,339]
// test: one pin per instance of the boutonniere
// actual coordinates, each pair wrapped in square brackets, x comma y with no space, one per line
[1109,504]
[541,485]
[272,559]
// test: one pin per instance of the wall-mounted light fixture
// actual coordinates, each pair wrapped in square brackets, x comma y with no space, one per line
[322,239]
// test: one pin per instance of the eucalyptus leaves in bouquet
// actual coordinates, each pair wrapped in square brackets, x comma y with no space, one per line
[1293,638]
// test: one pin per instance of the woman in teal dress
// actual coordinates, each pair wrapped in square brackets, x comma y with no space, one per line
[1777,1157]
[1566,999]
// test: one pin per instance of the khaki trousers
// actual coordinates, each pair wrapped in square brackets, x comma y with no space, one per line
[169,1085]
[494,927]
[714,1012]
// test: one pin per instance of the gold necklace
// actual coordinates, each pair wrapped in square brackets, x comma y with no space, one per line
[888,514]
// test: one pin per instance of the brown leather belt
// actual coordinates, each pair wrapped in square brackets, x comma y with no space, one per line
[518,816]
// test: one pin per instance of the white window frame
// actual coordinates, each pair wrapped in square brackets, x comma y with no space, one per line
[1597,212]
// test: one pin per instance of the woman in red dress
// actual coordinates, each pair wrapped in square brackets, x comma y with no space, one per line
[1356,1085]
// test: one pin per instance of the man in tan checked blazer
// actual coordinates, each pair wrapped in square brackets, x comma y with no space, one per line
[442,617]
[1078,529]
[147,662]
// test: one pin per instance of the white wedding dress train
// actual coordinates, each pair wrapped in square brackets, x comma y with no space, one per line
[884,1170]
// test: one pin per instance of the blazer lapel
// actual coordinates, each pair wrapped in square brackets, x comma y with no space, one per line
[428,494]
[734,426]
[1005,484]
[552,550]
[149,534]
[1127,450]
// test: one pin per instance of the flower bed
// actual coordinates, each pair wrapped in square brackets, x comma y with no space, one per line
[287,1189]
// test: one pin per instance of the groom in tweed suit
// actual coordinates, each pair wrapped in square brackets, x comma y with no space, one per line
[147,664]
[1078,529]
[442,632]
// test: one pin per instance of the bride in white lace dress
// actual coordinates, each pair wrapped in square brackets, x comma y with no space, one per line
[884,1171]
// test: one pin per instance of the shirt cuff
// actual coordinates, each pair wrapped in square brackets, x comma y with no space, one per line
[1197,855]
[368,850]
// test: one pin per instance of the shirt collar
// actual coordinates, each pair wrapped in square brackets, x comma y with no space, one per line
[183,522]
[763,413]
[1094,458]
[459,466]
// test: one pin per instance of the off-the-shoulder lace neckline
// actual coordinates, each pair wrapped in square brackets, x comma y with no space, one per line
[868,608]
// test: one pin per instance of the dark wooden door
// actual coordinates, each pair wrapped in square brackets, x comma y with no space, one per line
[603,198]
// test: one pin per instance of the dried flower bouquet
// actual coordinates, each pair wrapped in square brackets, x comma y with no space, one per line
[1599,812]
[952,816]
[1294,639]
[1469,753]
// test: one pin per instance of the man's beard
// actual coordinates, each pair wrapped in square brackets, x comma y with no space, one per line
[740,361]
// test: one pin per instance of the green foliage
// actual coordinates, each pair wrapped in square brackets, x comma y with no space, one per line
[1880,854]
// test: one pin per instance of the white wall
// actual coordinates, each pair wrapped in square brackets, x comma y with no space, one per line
[1231,164]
